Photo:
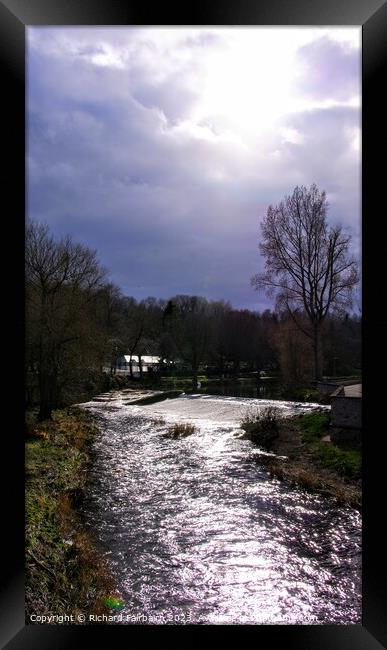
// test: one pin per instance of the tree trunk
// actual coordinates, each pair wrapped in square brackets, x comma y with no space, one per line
[195,373]
[316,352]
[140,365]
[46,388]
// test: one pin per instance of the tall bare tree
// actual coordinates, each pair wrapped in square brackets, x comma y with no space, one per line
[61,279]
[308,266]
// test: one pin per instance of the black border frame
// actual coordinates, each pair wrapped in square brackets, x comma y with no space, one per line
[15,16]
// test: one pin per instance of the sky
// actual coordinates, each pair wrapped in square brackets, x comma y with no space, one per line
[162,148]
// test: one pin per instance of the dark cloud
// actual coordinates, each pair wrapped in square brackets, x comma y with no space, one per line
[171,206]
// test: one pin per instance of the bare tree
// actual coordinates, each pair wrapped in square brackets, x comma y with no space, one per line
[61,279]
[308,266]
[295,354]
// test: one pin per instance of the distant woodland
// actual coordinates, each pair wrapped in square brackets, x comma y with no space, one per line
[78,324]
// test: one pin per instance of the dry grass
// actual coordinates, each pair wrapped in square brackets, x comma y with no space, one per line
[180,430]
[309,479]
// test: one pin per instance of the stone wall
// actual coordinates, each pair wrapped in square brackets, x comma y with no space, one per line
[346,412]
[346,436]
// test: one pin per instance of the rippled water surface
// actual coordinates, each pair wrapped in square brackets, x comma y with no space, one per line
[198,532]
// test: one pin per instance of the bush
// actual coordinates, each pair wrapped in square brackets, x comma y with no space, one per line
[312,395]
[262,426]
[180,430]
[301,394]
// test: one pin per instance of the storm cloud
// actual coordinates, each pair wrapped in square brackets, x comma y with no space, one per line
[162,148]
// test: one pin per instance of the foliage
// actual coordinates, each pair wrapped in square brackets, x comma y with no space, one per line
[295,353]
[341,346]
[314,427]
[312,395]
[186,320]
[79,324]
[345,462]
[262,426]
[301,393]
[118,382]
[64,573]
[62,281]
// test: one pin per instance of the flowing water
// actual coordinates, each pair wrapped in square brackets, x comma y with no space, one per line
[196,530]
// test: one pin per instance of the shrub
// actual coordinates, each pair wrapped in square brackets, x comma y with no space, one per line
[311,395]
[262,426]
[180,430]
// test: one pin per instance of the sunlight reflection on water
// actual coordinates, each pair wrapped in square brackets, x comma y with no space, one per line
[197,530]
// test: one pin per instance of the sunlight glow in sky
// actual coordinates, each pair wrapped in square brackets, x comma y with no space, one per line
[163,147]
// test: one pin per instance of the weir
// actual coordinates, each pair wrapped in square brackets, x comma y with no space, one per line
[197,531]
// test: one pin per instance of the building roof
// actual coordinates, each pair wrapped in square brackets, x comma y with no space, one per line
[355,390]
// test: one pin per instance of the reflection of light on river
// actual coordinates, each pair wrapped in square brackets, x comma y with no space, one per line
[196,526]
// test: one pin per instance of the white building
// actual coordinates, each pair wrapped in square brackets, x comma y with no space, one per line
[147,362]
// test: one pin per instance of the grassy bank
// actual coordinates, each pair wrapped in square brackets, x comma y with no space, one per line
[311,460]
[345,462]
[64,572]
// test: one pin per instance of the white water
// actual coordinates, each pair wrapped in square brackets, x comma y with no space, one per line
[198,532]
[204,409]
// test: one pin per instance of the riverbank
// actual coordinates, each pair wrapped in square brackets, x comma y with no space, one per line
[307,458]
[65,574]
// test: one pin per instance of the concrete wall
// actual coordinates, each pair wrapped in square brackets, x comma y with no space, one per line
[346,412]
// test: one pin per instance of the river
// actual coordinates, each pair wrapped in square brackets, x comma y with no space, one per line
[197,531]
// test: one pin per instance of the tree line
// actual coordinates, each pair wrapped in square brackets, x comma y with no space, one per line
[78,323]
